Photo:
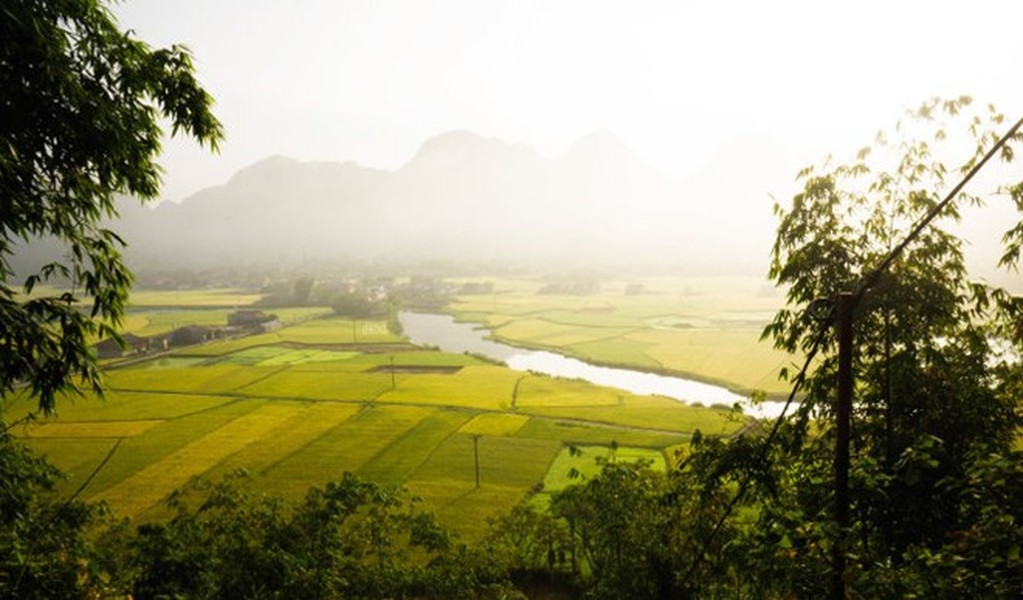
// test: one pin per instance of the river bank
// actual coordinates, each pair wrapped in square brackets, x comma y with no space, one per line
[449,335]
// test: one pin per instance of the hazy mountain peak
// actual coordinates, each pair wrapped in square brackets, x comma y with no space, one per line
[602,140]
[457,143]
[460,148]
[602,153]
[270,165]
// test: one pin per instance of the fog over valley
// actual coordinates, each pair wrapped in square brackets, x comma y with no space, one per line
[464,197]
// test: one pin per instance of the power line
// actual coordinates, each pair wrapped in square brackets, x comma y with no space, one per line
[825,322]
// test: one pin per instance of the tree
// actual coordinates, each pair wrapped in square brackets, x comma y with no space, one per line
[302,289]
[347,539]
[937,397]
[44,549]
[80,109]
[359,305]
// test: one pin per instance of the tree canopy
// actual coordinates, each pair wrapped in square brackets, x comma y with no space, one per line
[81,104]
[936,367]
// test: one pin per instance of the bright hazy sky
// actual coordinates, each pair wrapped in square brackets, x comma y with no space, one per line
[370,80]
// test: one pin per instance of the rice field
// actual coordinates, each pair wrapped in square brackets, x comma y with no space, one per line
[300,406]
[706,328]
[205,298]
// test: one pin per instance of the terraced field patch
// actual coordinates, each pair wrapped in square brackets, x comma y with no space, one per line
[277,356]
[212,379]
[484,387]
[395,463]
[137,454]
[120,406]
[551,392]
[581,432]
[337,330]
[333,385]
[91,429]
[170,362]
[345,447]
[649,413]
[494,424]
[509,469]
[213,297]
[148,486]
[307,424]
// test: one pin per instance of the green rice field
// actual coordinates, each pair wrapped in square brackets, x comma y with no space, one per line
[705,328]
[300,406]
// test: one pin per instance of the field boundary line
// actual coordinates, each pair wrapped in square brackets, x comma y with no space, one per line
[268,465]
[260,378]
[410,431]
[266,469]
[228,399]
[238,397]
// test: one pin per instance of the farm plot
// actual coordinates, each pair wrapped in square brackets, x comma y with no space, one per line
[213,379]
[325,331]
[213,297]
[337,330]
[346,447]
[148,486]
[396,462]
[136,454]
[649,412]
[333,385]
[548,332]
[702,327]
[551,392]
[76,457]
[170,362]
[484,387]
[494,424]
[719,354]
[509,468]
[91,429]
[581,432]
[309,421]
[277,356]
[118,405]
[414,358]
[153,322]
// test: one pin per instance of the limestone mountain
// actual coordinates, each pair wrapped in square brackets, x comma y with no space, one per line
[461,196]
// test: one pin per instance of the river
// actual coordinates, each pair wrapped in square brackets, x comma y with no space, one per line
[443,332]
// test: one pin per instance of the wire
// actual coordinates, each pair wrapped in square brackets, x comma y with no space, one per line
[815,310]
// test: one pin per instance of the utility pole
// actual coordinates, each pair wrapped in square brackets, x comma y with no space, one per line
[392,372]
[843,418]
[476,456]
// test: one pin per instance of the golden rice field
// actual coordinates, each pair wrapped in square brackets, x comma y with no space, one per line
[302,405]
[705,328]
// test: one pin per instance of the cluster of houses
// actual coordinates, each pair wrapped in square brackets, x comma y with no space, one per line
[242,322]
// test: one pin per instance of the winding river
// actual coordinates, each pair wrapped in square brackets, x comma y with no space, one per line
[443,332]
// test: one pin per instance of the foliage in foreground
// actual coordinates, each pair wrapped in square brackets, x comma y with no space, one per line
[347,539]
[625,532]
[80,122]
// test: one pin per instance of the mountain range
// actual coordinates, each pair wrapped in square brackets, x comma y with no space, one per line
[464,196]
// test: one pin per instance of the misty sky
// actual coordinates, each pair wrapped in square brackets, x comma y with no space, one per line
[371,80]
